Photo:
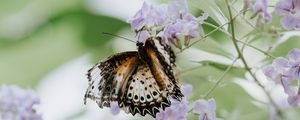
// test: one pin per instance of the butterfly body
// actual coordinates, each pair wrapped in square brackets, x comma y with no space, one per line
[140,81]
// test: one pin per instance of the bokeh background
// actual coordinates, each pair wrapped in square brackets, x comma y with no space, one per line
[48,45]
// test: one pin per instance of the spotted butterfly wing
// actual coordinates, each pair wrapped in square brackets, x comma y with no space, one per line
[140,81]
[143,95]
[161,60]
[108,78]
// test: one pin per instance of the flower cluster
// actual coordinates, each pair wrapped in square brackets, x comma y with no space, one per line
[260,8]
[284,71]
[289,9]
[17,104]
[168,21]
[180,109]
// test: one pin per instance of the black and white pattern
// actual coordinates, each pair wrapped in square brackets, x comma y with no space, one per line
[140,81]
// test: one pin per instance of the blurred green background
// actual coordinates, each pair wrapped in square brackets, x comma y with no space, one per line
[37,37]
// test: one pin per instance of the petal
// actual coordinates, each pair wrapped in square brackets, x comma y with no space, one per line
[296,72]
[280,63]
[137,24]
[114,108]
[143,36]
[294,100]
[270,72]
[288,22]
[267,17]
[203,116]
[186,90]
[203,17]
[260,5]
[161,14]
[294,55]
[200,106]
[285,82]
[212,103]
[283,7]
[177,7]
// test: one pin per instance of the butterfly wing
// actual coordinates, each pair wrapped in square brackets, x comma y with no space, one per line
[143,95]
[161,60]
[140,81]
[108,78]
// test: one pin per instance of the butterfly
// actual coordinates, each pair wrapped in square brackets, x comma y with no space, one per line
[140,81]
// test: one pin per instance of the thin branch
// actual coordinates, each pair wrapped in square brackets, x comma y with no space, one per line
[109,34]
[249,45]
[219,80]
[208,34]
[240,55]
[242,42]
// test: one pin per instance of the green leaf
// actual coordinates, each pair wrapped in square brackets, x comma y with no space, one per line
[235,70]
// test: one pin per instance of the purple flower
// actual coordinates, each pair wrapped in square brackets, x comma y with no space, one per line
[294,56]
[284,71]
[290,10]
[143,36]
[206,109]
[176,8]
[144,17]
[187,26]
[294,99]
[17,104]
[168,21]
[114,108]
[187,90]
[260,8]
[178,109]
[280,72]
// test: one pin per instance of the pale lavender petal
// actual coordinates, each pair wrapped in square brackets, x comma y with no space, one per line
[177,111]
[186,90]
[114,108]
[294,100]
[286,82]
[270,72]
[260,5]
[212,104]
[280,63]
[203,17]
[200,105]
[161,15]
[267,17]
[137,24]
[176,8]
[17,103]
[288,22]
[205,109]
[283,7]
[143,36]
[294,55]
[138,20]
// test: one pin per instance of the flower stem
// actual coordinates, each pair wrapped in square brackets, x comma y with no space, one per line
[240,56]
[242,42]
[219,80]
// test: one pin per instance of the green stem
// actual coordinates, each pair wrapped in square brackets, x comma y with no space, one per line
[204,37]
[240,55]
[219,80]
[247,44]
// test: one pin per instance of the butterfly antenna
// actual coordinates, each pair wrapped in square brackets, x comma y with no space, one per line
[109,34]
